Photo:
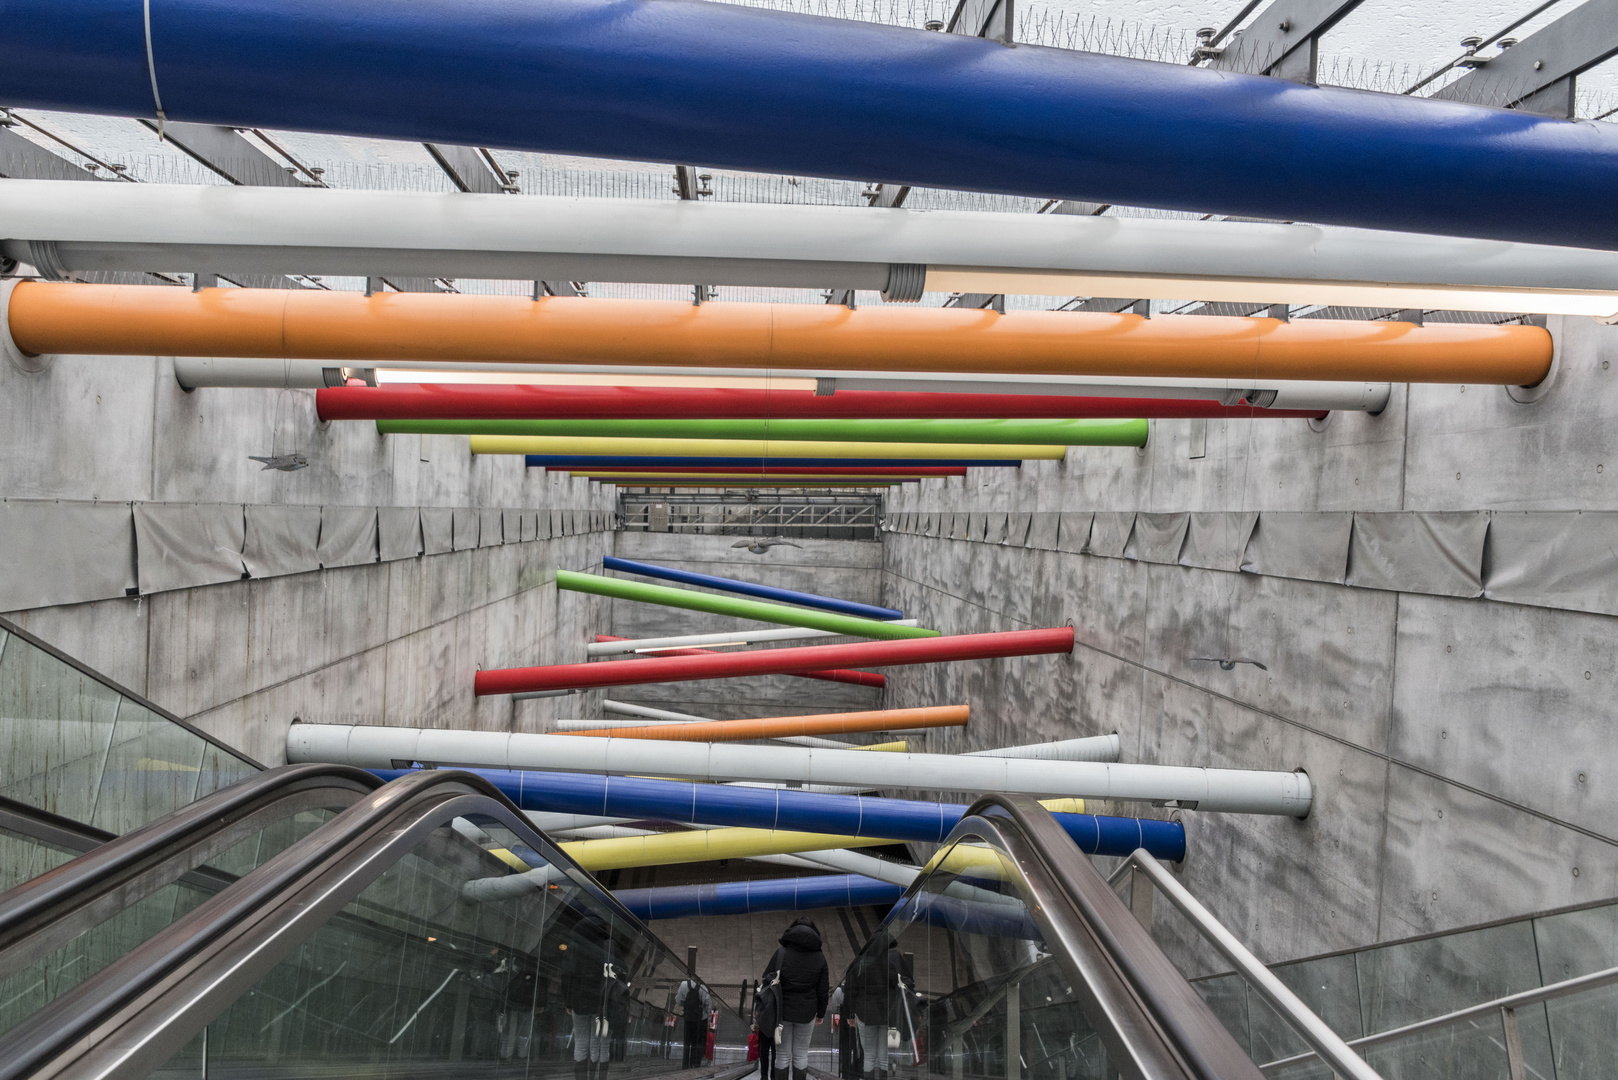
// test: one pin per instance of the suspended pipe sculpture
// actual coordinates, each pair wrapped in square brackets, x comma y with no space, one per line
[840,675]
[281,230]
[605,645]
[740,479]
[1241,394]
[710,484]
[701,845]
[1234,790]
[122,320]
[452,401]
[752,897]
[641,713]
[1109,432]
[767,91]
[779,726]
[767,449]
[748,588]
[640,592]
[826,472]
[933,650]
[854,815]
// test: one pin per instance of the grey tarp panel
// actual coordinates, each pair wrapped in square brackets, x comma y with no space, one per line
[1550,559]
[466,528]
[490,528]
[1419,552]
[1016,529]
[511,526]
[542,525]
[437,530]
[398,532]
[64,552]
[1075,531]
[994,528]
[527,525]
[570,523]
[1309,546]
[912,522]
[182,545]
[958,524]
[1042,530]
[1158,538]
[975,523]
[281,540]
[556,524]
[347,535]
[929,524]
[1216,541]
[1109,533]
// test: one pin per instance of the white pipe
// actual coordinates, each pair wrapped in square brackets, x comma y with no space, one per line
[554,824]
[193,372]
[171,227]
[696,641]
[663,716]
[1236,790]
[625,708]
[1093,748]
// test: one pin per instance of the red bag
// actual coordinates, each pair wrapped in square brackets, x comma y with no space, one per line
[752,1046]
[710,1043]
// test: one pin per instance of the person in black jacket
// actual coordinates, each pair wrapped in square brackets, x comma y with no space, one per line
[805,986]
[872,984]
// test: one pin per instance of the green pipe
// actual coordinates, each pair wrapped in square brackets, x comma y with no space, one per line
[1049,432]
[619,589]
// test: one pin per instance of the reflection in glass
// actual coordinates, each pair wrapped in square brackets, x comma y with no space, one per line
[961,983]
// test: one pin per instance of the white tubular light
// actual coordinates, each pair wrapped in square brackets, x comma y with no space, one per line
[1233,790]
[168,227]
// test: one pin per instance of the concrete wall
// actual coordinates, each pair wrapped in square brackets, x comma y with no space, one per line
[1459,749]
[393,643]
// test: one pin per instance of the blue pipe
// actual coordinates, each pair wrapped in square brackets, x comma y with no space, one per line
[606,461]
[747,588]
[799,811]
[766,91]
[750,897]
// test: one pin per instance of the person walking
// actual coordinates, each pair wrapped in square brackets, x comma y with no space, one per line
[874,980]
[692,1001]
[588,978]
[799,967]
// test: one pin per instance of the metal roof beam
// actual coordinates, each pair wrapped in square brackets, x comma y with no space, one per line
[227,153]
[1283,40]
[1539,73]
[24,159]
[993,19]
[471,169]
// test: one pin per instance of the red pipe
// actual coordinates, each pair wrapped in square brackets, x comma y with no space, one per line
[459,401]
[842,675]
[775,661]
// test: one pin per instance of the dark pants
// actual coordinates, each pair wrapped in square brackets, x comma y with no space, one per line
[766,1050]
[696,1042]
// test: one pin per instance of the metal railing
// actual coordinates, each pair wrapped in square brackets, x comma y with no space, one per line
[830,515]
[1506,1006]
[1323,1041]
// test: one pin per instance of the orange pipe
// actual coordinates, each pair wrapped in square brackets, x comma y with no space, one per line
[60,317]
[776,727]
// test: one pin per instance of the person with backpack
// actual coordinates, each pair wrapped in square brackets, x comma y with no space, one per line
[872,986]
[766,1020]
[691,1000]
[799,970]
[588,982]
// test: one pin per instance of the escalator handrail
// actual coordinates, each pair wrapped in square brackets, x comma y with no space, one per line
[57,893]
[1084,911]
[139,1010]
[1322,1039]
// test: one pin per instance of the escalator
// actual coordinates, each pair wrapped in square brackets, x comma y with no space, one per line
[1011,958]
[307,921]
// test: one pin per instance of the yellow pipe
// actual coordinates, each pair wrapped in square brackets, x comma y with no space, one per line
[122,320]
[897,747]
[586,446]
[703,845]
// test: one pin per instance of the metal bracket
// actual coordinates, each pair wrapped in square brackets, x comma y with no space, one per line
[1283,40]
[993,19]
[1538,74]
